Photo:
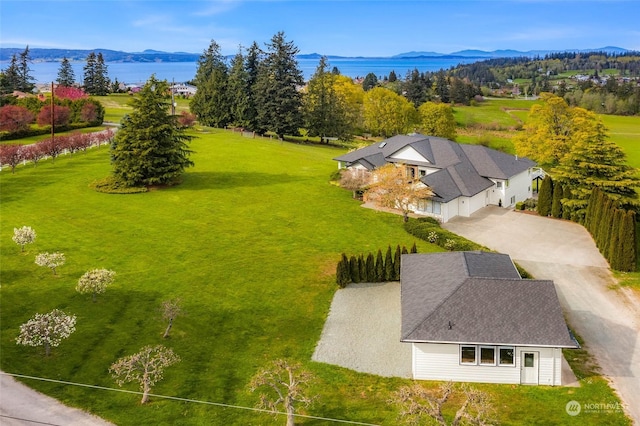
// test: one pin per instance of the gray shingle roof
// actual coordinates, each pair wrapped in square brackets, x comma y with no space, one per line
[464,169]
[476,297]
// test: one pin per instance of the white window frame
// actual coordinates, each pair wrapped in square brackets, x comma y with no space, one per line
[475,351]
[499,184]
[513,359]
[479,356]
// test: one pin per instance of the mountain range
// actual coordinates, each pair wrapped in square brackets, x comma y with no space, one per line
[55,55]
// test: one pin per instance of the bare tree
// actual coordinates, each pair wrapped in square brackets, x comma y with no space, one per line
[416,402]
[285,385]
[394,187]
[170,309]
[145,367]
[355,180]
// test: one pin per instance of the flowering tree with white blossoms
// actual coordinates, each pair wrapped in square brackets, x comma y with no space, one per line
[23,236]
[47,330]
[146,367]
[95,281]
[50,260]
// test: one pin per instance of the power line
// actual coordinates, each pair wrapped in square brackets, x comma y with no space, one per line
[176,398]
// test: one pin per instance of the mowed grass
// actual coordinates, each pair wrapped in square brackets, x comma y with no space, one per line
[249,242]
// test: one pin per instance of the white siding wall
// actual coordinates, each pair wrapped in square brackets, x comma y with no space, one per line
[519,187]
[433,361]
[477,202]
[408,155]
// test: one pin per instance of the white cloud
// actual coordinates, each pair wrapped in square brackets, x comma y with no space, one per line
[217,7]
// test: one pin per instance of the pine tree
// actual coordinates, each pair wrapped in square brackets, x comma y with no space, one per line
[279,102]
[396,263]
[604,232]
[211,101]
[628,249]
[340,274]
[404,250]
[370,81]
[371,269]
[389,274]
[101,77]
[545,196]
[598,205]
[25,79]
[10,77]
[556,203]
[354,269]
[253,64]
[151,147]
[66,76]
[362,264]
[239,92]
[414,248]
[379,267]
[89,78]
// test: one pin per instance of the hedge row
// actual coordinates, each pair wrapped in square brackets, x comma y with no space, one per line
[613,229]
[429,229]
[356,269]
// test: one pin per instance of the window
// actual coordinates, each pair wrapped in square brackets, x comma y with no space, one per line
[487,355]
[513,200]
[429,206]
[529,360]
[423,172]
[467,354]
[506,356]
[499,185]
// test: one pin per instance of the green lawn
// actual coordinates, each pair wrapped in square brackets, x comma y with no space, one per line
[249,242]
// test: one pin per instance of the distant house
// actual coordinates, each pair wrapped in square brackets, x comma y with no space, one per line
[184,89]
[470,317]
[464,178]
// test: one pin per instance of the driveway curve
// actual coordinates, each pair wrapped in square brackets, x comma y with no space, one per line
[607,319]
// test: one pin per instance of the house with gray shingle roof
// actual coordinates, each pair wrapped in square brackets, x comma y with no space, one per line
[470,317]
[464,178]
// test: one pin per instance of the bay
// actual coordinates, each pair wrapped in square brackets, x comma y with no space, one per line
[139,72]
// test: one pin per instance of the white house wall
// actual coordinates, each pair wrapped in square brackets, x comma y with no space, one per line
[519,188]
[441,361]
[408,155]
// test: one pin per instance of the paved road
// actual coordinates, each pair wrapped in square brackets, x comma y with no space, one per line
[608,320]
[22,406]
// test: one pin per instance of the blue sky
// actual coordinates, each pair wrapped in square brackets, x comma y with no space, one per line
[347,28]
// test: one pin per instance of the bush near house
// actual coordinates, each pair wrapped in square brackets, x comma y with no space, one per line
[428,229]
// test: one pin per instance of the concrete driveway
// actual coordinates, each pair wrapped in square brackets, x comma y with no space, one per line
[608,320]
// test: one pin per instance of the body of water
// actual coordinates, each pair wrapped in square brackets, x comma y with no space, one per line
[139,72]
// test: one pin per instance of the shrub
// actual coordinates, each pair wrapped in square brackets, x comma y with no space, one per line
[520,205]
[450,244]
[110,185]
[433,237]
[61,115]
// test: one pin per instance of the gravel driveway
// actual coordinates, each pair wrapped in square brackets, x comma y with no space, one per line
[608,320]
[362,331]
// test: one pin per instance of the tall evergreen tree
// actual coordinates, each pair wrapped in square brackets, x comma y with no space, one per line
[10,77]
[442,87]
[380,272]
[566,203]
[396,262]
[354,269]
[370,81]
[389,274]
[279,100]
[253,65]
[151,147]
[371,268]
[324,112]
[25,79]
[545,196]
[211,101]
[556,203]
[614,240]
[66,76]
[628,242]
[239,92]
[101,77]
[415,88]
[89,78]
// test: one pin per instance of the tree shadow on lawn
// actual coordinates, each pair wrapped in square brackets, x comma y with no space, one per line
[228,180]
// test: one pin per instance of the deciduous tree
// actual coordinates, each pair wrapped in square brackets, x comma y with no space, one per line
[47,330]
[15,118]
[284,384]
[11,154]
[395,188]
[417,403]
[151,147]
[23,236]
[50,260]
[387,113]
[145,367]
[95,282]
[170,310]
[355,180]
[437,119]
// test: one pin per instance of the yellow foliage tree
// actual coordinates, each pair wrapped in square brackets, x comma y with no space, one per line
[394,187]
[436,119]
[386,113]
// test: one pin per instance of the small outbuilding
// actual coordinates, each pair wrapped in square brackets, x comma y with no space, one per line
[470,317]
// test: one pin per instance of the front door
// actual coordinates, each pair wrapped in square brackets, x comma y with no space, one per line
[529,368]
